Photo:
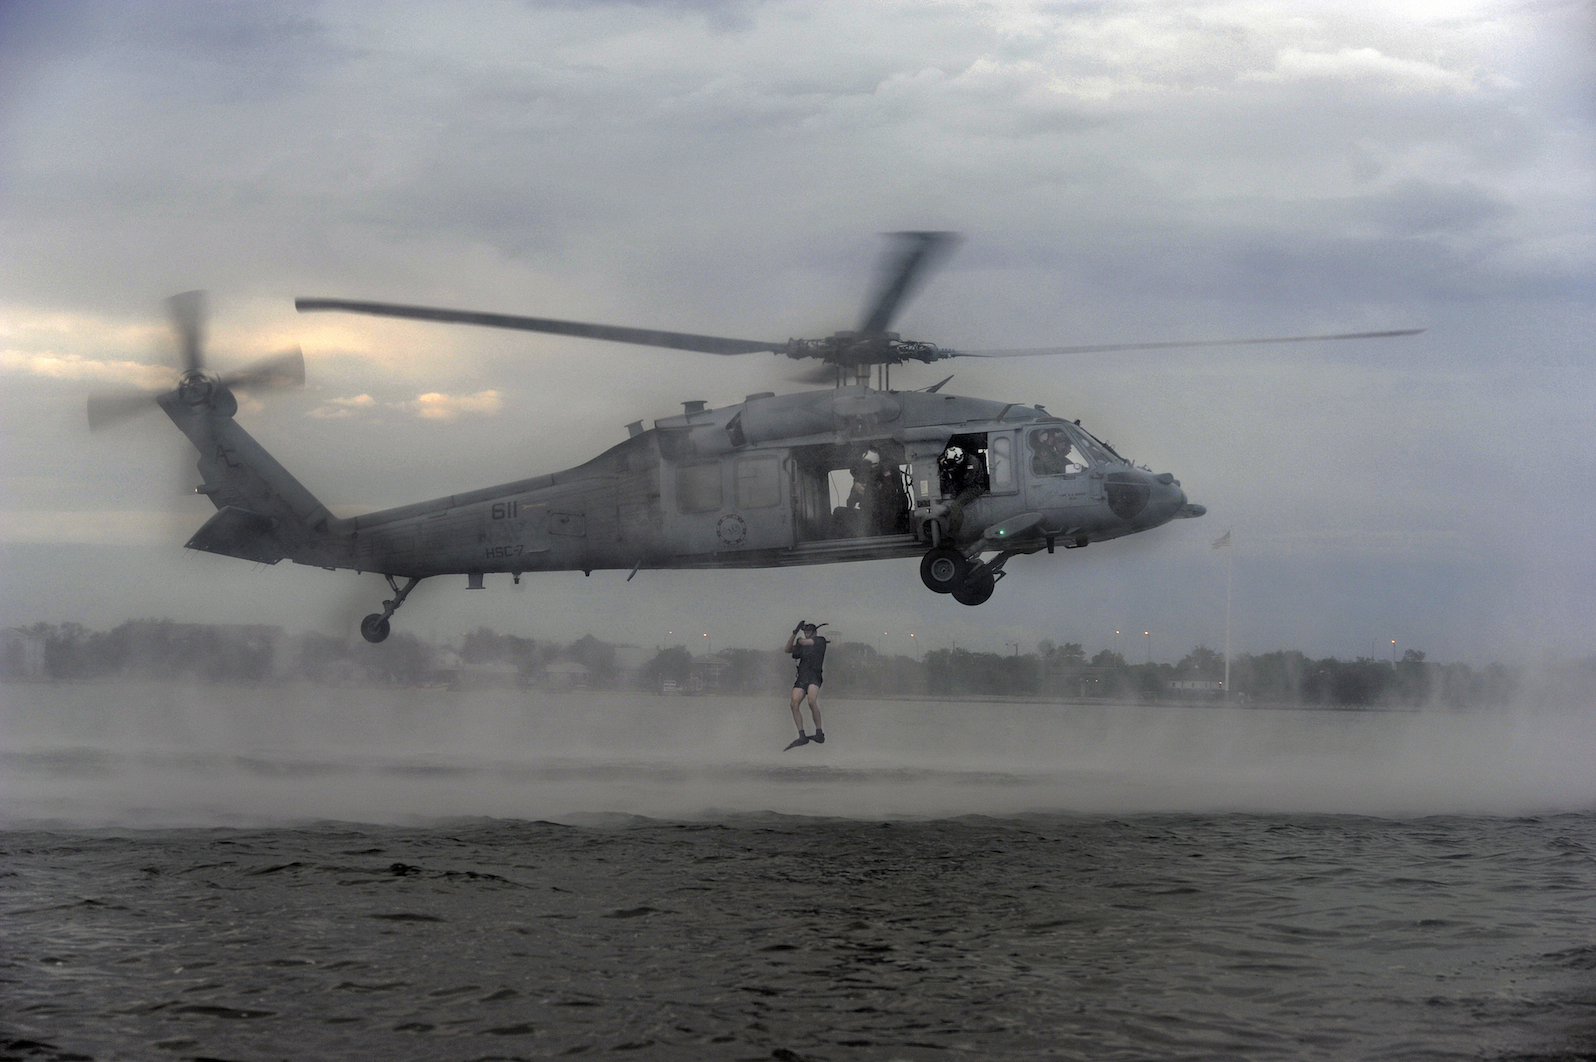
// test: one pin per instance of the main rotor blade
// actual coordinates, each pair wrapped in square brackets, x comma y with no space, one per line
[280,370]
[1109,347]
[188,319]
[646,337]
[901,273]
[117,406]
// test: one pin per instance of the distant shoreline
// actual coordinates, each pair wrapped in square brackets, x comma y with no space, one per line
[836,697]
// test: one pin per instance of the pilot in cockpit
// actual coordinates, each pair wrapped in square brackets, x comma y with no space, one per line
[1052,453]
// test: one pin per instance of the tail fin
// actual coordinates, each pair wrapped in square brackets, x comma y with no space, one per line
[265,514]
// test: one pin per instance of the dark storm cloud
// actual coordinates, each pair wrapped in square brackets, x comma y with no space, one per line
[222,51]
[239,51]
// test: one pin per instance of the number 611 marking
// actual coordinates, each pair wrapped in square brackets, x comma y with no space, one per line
[506,510]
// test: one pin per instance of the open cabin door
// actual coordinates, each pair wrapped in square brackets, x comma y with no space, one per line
[922,447]
[858,490]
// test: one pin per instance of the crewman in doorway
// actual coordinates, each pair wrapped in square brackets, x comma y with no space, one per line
[963,481]
[809,649]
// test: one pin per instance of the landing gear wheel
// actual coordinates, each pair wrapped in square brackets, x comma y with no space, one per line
[374,628]
[942,569]
[976,587]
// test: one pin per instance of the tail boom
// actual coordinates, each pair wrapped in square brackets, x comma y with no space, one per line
[263,513]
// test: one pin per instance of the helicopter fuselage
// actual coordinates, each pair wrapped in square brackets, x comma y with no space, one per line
[818,477]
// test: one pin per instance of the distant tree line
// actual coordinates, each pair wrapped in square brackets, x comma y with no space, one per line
[155,649]
[163,649]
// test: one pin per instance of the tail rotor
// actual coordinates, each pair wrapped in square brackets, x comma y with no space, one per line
[197,389]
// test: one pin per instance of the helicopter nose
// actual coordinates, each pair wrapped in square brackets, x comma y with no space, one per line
[1172,491]
[1142,498]
[1168,499]
[1165,499]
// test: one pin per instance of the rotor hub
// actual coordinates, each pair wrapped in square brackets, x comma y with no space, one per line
[196,389]
[860,350]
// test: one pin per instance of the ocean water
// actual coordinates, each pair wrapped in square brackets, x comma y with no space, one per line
[191,872]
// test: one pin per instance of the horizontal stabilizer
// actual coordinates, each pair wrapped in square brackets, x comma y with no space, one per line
[235,532]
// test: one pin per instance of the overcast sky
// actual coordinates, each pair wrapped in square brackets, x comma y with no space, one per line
[1123,172]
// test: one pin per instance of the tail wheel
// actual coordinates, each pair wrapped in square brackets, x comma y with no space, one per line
[976,587]
[942,569]
[374,628]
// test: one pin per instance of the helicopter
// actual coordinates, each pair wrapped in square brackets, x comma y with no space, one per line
[965,484]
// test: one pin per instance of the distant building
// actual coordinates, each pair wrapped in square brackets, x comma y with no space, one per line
[630,660]
[1081,680]
[567,675]
[21,653]
[706,672]
[487,675]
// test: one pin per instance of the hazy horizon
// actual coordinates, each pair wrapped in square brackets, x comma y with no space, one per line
[1132,645]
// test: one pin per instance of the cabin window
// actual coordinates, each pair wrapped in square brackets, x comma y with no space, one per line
[698,488]
[1000,462]
[758,483]
[1054,453]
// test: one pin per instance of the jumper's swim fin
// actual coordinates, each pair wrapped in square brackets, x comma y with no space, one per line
[801,739]
[819,738]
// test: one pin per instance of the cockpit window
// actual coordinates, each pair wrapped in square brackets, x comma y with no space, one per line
[1099,449]
[1055,453]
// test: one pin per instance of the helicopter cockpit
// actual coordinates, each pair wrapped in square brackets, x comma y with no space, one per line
[1054,452]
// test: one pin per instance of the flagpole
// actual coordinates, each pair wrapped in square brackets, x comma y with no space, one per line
[1223,542]
[1230,569]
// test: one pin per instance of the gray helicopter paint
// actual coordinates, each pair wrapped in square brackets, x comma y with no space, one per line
[624,508]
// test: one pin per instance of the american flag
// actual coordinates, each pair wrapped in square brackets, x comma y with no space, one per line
[1223,541]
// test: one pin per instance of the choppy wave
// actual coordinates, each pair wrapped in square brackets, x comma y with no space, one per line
[770,936]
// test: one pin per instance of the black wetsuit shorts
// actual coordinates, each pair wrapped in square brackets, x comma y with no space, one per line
[810,659]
